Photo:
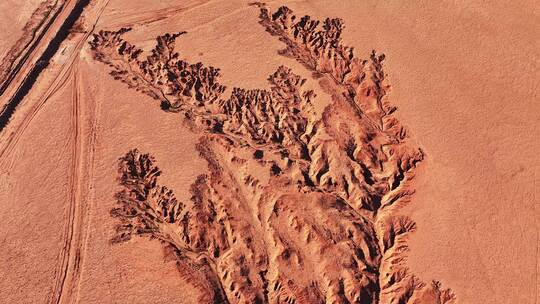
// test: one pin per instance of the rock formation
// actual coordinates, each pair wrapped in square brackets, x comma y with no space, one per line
[297,206]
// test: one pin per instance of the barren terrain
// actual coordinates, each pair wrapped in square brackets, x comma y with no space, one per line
[247,152]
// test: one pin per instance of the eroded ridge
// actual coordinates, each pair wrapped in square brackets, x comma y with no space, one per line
[298,206]
[149,209]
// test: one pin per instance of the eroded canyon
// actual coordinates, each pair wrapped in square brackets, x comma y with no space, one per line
[290,190]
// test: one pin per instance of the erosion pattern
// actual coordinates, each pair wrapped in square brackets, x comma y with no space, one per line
[297,206]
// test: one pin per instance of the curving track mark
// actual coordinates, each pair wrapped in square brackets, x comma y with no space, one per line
[21,55]
[27,76]
[13,138]
[57,84]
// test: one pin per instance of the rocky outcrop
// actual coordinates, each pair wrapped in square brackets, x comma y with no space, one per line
[297,206]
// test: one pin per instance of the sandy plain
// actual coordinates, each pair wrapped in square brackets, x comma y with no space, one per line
[463,76]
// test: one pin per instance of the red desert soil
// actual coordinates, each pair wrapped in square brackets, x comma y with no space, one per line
[239,152]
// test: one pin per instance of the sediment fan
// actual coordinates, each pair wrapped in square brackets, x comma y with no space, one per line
[298,206]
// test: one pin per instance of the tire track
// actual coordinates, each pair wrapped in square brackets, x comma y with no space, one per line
[37,34]
[13,138]
[94,110]
[67,280]
[67,274]
[58,83]
[149,17]
[74,218]
[67,72]
[70,13]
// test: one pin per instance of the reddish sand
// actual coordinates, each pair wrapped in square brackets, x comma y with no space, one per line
[463,75]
